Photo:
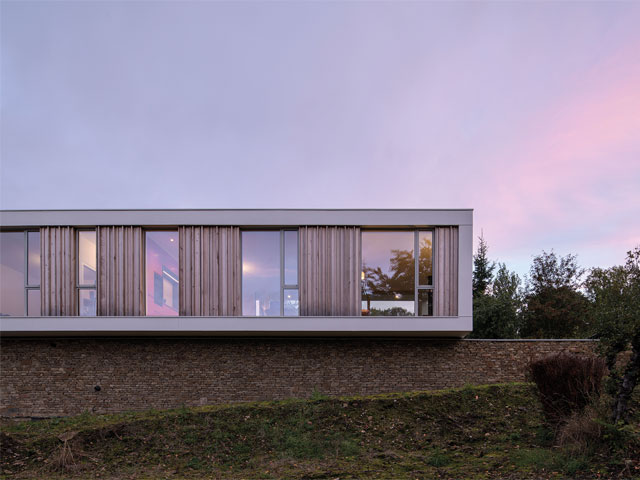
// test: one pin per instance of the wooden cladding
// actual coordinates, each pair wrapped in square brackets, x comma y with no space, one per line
[120,271]
[446,272]
[329,271]
[58,271]
[210,271]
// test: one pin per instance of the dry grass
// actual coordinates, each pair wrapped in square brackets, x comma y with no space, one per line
[582,431]
[567,383]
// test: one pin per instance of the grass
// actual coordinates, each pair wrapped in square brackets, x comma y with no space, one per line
[493,431]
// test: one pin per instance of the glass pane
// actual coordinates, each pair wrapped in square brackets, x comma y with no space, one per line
[261,273]
[162,273]
[425,303]
[87,305]
[33,272]
[291,304]
[12,273]
[425,266]
[33,303]
[388,273]
[290,257]
[87,258]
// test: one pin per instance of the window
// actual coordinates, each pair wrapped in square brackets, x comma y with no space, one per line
[270,273]
[87,273]
[161,273]
[394,281]
[20,273]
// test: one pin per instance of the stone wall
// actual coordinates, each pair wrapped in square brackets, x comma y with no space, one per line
[56,377]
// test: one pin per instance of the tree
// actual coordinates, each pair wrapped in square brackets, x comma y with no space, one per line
[554,307]
[615,296]
[496,302]
[496,315]
[482,269]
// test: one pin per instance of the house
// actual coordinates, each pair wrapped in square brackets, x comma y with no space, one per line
[236,272]
[112,310]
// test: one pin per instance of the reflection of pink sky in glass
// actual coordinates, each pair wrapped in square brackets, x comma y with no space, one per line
[12,273]
[377,247]
[261,273]
[161,260]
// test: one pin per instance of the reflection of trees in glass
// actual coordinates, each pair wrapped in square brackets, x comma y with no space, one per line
[400,279]
[390,312]
[399,283]
[402,272]
[425,262]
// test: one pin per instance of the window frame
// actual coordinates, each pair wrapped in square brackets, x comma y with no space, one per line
[283,286]
[79,286]
[27,286]
[146,230]
[417,287]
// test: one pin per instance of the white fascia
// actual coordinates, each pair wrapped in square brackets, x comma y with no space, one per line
[241,218]
[227,326]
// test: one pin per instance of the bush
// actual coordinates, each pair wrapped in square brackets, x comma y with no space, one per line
[581,432]
[567,383]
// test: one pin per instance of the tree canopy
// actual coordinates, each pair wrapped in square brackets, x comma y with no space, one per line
[615,299]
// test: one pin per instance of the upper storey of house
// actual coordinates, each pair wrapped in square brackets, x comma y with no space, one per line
[236,272]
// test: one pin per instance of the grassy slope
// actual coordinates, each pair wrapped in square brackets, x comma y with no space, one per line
[493,431]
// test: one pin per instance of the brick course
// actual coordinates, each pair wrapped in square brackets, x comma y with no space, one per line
[44,377]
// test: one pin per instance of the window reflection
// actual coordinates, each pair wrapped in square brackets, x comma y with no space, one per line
[87,302]
[290,257]
[33,302]
[425,266]
[87,273]
[12,273]
[261,273]
[87,257]
[291,303]
[388,273]
[270,273]
[425,303]
[161,253]
[33,261]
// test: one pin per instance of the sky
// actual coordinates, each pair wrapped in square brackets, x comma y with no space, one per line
[529,113]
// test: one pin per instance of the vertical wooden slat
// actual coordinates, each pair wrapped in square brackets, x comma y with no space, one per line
[57,277]
[446,271]
[120,271]
[210,271]
[329,271]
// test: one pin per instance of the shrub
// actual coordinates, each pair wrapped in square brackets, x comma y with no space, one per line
[581,432]
[566,383]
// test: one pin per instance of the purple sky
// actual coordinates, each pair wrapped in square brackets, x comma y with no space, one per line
[527,112]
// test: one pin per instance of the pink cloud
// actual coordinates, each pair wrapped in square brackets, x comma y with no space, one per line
[590,138]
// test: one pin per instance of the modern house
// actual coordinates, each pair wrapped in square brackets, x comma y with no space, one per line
[112,310]
[236,272]
[107,310]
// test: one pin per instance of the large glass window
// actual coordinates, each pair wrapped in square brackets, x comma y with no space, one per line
[87,273]
[161,254]
[394,281]
[270,273]
[20,273]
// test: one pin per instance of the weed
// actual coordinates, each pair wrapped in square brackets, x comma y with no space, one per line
[544,436]
[348,448]
[317,395]
[537,458]
[195,463]
[573,465]
[438,459]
